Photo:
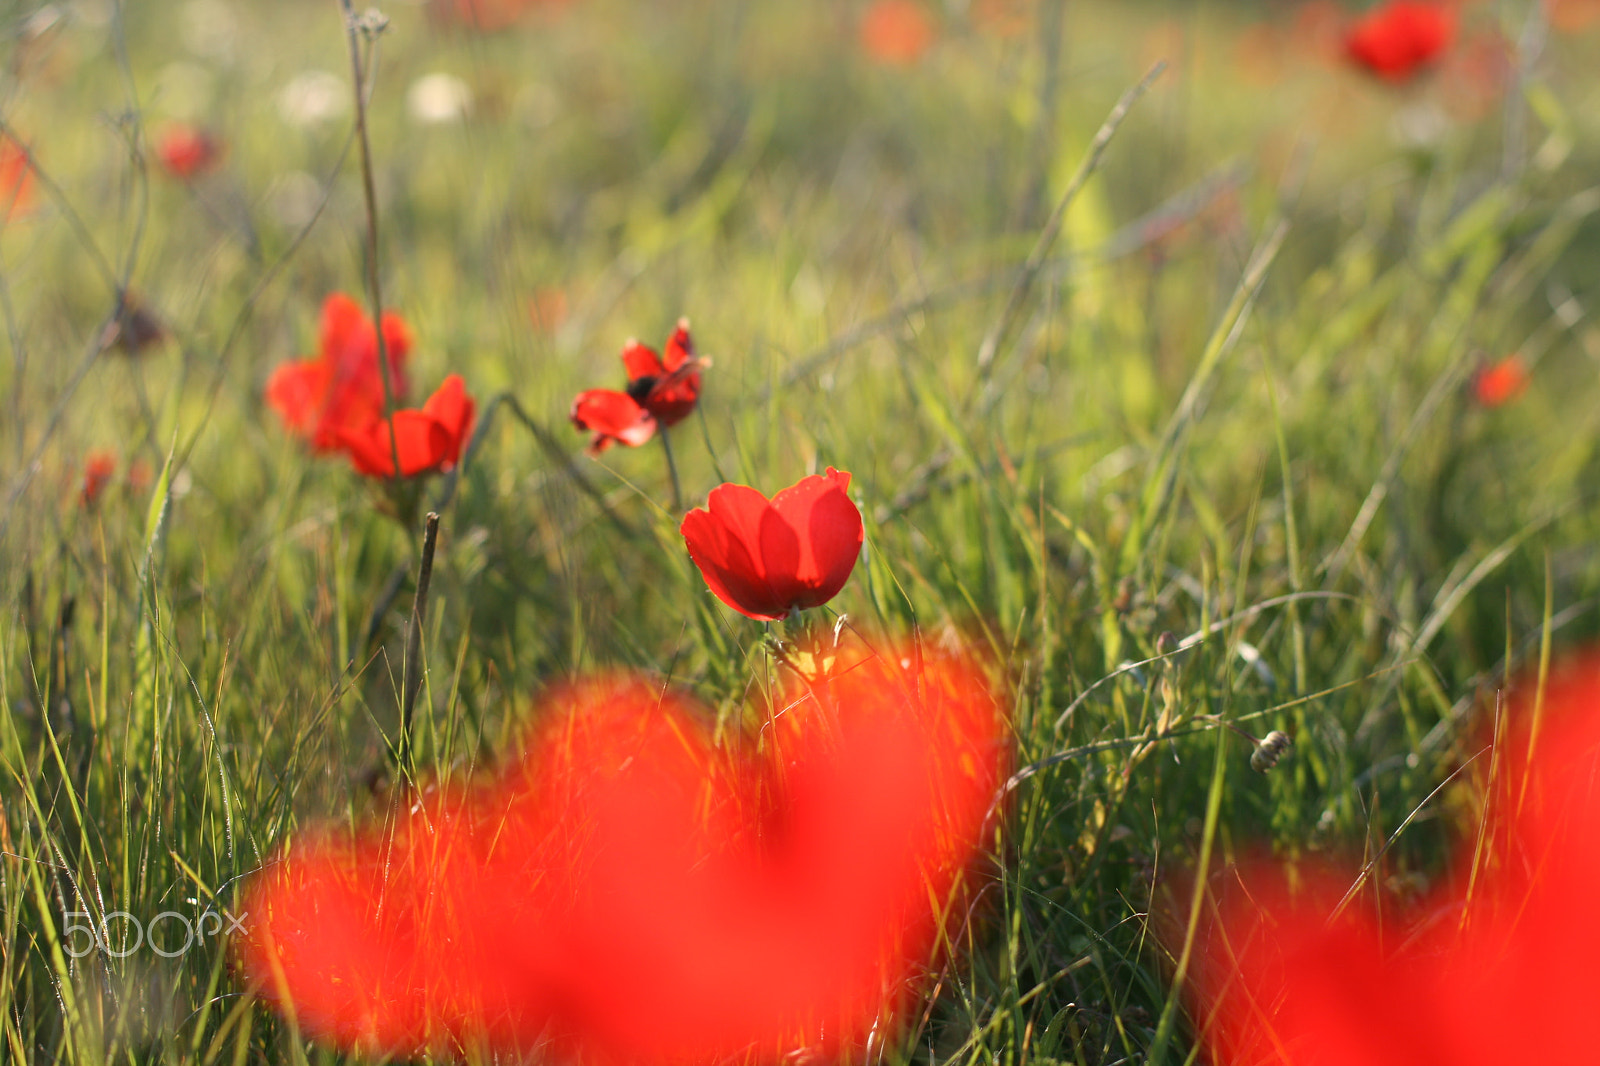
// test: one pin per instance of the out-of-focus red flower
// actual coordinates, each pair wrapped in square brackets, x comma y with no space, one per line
[187,151]
[1397,39]
[98,470]
[16,181]
[1502,382]
[426,440]
[488,16]
[896,32]
[342,386]
[630,892]
[662,390]
[1572,16]
[765,559]
[1281,984]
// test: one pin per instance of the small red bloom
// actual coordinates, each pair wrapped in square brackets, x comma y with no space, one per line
[16,181]
[662,390]
[1501,383]
[896,32]
[426,440]
[187,151]
[630,891]
[342,386]
[1397,39]
[98,470]
[765,559]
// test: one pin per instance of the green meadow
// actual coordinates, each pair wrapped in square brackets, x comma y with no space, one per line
[1158,386]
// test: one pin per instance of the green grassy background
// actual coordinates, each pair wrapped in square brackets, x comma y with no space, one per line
[1242,411]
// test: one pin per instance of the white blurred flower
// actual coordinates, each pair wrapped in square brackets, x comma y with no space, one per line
[438,98]
[313,97]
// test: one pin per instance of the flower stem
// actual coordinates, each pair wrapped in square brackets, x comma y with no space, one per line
[411,665]
[352,32]
[672,469]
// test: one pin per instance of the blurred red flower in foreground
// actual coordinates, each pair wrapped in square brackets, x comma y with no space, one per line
[1500,383]
[426,440]
[187,151]
[16,181]
[765,559]
[662,390]
[1397,39]
[98,470]
[1503,974]
[896,31]
[341,388]
[631,892]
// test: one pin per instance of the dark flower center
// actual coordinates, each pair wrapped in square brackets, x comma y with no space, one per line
[639,388]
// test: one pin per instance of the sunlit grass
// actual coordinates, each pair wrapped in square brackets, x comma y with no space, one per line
[1235,403]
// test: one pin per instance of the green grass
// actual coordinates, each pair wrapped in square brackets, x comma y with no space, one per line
[1256,428]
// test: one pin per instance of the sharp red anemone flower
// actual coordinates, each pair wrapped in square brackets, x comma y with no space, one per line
[16,181]
[426,440]
[1281,983]
[662,390]
[896,32]
[629,891]
[1398,39]
[98,470]
[768,558]
[1500,383]
[342,386]
[187,151]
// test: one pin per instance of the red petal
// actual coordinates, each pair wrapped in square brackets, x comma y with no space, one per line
[641,362]
[829,525]
[454,410]
[296,391]
[613,416]
[422,443]
[679,348]
[731,565]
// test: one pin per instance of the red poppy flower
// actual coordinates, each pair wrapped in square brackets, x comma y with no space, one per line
[662,390]
[16,181]
[98,470]
[1397,39]
[187,151]
[1501,383]
[629,891]
[1282,984]
[765,559]
[342,386]
[426,440]
[896,32]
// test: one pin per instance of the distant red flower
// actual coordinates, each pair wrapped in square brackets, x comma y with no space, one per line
[765,559]
[1399,38]
[98,470]
[1572,16]
[1501,383]
[16,181]
[897,32]
[342,386]
[187,151]
[427,440]
[1282,985]
[629,891]
[662,390]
